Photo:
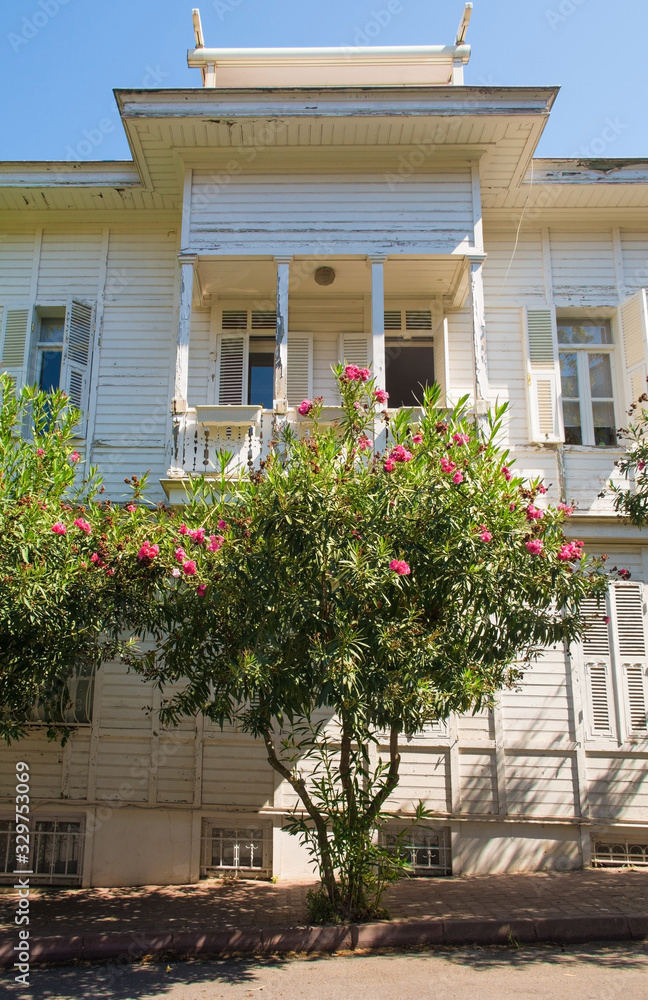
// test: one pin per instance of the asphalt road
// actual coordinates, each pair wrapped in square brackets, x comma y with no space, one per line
[594,972]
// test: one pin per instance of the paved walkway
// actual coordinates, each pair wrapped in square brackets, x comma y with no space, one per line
[214,905]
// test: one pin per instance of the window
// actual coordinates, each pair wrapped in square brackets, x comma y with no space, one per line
[426,851]
[409,356]
[55,851]
[261,372]
[238,849]
[585,349]
[49,354]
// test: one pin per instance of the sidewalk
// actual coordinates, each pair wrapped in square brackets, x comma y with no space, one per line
[257,917]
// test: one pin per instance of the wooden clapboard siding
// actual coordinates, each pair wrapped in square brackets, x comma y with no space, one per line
[475,728]
[79,763]
[201,364]
[460,354]
[69,265]
[478,782]
[236,773]
[126,700]
[618,787]
[507,370]
[538,711]
[424,775]
[513,272]
[634,250]
[176,769]
[435,208]
[583,265]
[587,471]
[325,355]
[123,766]
[16,262]
[541,784]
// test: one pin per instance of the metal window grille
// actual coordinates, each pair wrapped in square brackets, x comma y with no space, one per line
[73,705]
[615,854]
[55,851]
[428,852]
[236,849]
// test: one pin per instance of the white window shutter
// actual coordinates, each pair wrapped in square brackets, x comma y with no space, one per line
[77,351]
[597,654]
[543,377]
[633,322]
[232,369]
[631,640]
[598,689]
[354,349]
[14,357]
[300,368]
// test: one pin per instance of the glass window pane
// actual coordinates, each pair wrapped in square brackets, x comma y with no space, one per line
[261,380]
[588,332]
[51,331]
[569,375]
[604,424]
[600,373]
[409,368]
[572,417]
[50,370]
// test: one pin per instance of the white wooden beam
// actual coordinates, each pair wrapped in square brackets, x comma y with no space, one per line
[378,319]
[480,362]
[184,325]
[478,225]
[281,342]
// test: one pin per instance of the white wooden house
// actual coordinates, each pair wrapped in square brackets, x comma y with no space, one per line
[301,207]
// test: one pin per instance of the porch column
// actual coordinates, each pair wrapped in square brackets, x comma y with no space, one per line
[378,319]
[187,264]
[480,364]
[281,343]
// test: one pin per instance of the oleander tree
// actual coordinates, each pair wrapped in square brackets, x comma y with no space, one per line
[631,500]
[370,578]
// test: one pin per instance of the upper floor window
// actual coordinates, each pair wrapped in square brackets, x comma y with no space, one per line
[586,371]
[50,353]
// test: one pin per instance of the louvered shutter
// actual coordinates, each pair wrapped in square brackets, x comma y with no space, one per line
[77,349]
[354,349]
[232,369]
[598,669]
[15,345]
[543,377]
[631,640]
[300,367]
[633,322]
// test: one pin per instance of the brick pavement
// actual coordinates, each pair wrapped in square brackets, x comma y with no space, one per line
[216,905]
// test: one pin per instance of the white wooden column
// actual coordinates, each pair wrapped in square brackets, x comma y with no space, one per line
[378,319]
[187,264]
[281,343]
[480,364]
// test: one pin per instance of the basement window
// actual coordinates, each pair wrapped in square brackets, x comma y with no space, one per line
[427,852]
[55,851]
[243,850]
[620,852]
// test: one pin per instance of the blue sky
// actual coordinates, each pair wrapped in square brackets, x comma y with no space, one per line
[60,59]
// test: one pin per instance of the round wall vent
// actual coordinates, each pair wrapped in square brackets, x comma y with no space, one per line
[324,275]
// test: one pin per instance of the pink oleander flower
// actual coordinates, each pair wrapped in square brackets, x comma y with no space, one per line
[389,465]
[95,558]
[400,566]
[381,396]
[641,465]
[542,489]
[566,553]
[511,507]
[417,439]
[352,373]
[458,478]
[400,454]
[607,619]
[183,529]
[148,551]
[215,543]
[197,535]
[200,589]
[486,536]
[534,513]
[131,508]
[59,528]
[534,547]
[40,452]
[506,472]
[447,465]
[565,509]
[305,407]
[364,444]
[180,554]
[461,438]
[176,572]
[75,457]
[189,567]
[83,525]
[625,574]
[110,572]
[222,526]
[365,374]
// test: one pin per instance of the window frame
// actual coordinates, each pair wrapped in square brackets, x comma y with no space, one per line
[585,399]
[35,837]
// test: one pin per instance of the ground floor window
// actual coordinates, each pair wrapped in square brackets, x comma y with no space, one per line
[409,369]
[428,852]
[244,849]
[616,852]
[55,851]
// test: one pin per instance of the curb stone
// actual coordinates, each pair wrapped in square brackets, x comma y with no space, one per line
[434,931]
